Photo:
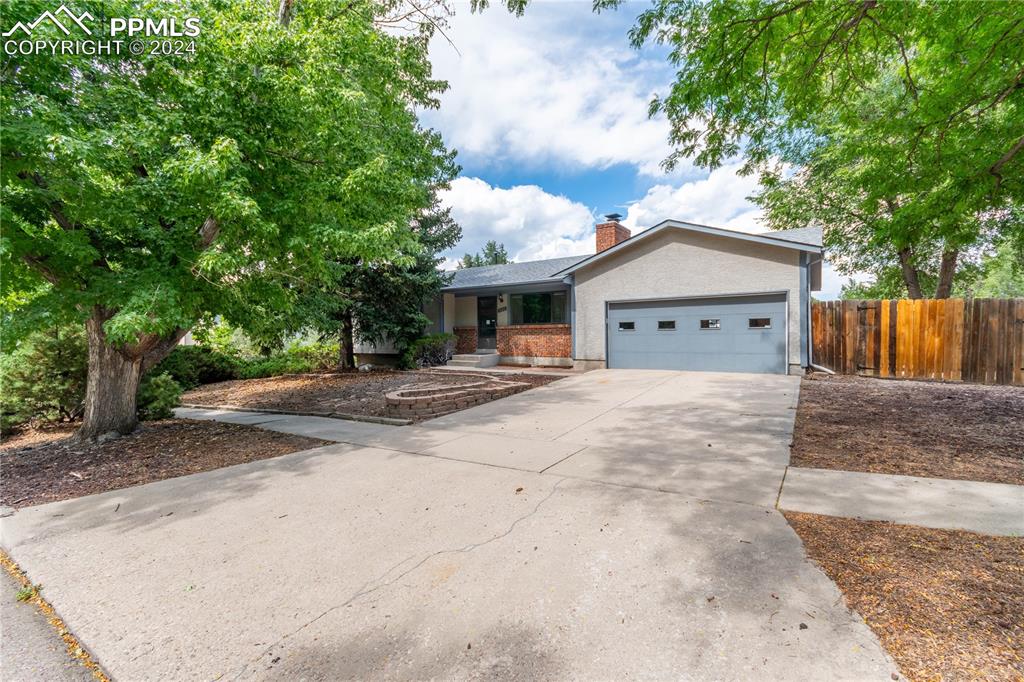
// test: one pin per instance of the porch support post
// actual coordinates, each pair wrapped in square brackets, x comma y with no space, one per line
[570,280]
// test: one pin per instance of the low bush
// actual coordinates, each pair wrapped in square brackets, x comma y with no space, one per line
[297,358]
[319,355]
[429,351]
[43,378]
[192,366]
[159,394]
[274,365]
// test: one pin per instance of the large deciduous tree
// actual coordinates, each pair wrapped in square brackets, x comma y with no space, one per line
[381,302]
[142,193]
[897,125]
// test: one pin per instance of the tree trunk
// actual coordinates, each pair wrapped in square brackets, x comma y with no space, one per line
[946,272]
[347,359]
[112,385]
[910,277]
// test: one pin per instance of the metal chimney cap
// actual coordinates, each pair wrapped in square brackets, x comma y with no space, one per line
[613,217]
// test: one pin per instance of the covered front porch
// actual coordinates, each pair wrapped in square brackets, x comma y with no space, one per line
[525,325]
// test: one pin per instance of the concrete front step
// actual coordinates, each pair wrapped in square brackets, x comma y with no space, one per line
[474,360]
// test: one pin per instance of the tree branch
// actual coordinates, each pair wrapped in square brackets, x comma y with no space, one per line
[208,232]
[1003,160]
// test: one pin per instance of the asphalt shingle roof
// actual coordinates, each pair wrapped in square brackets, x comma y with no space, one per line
[801,235]
[512,273]
[541,270]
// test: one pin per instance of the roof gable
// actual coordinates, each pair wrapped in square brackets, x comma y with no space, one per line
[789,239]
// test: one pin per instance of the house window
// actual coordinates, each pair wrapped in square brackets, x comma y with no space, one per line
[713,323]
[538,308]
[759,323]
[627,326]
[666,325]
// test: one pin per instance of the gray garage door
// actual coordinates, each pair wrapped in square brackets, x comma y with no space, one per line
[731,334]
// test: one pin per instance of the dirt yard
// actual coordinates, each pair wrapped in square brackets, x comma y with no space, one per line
[45,465]
[948,605]
[914,428]
[360,393]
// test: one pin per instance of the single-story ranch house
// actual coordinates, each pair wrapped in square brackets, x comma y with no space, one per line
[675,296]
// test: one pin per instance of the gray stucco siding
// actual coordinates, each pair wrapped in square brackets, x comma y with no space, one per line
[678,264]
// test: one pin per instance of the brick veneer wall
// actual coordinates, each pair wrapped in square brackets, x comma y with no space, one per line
[535,340]
[420,401]
[465,341]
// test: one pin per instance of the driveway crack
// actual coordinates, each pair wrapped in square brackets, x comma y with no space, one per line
[381,582]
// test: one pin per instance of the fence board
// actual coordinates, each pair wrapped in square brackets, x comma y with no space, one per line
[980,340]
[1018,340]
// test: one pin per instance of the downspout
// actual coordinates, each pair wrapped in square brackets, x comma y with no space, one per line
[805,310]
[810,334]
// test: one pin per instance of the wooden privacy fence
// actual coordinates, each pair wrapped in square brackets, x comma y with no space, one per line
[979,340]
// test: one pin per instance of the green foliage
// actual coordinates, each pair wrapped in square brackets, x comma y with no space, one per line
[429,351]
[997,275]
[274,365]
[319,355]
[167,189]
[493,253]
[380,302]
[43,377]
[159,394]
[27,592]
[895,125]
[1002,275]
[297,358]
[223,338]
[192,366]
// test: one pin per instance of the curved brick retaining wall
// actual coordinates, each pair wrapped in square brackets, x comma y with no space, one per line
[426,401]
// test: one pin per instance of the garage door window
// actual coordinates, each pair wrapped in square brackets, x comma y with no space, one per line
[666,325]
[759,323]
[627,326]
[713,323]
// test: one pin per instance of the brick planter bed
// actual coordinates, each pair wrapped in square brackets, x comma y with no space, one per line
[426,401]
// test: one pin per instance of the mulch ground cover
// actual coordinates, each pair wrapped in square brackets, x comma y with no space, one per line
[948,605]
[914,428]
[360,393]
[46,465]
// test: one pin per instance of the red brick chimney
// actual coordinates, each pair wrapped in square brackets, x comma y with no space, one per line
[610,232]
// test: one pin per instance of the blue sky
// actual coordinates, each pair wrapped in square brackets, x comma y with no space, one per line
[549,115]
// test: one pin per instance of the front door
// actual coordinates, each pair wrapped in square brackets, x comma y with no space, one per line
[486,322]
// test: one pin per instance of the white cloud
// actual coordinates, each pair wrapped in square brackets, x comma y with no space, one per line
[719,200]
[559,86]
[531,223]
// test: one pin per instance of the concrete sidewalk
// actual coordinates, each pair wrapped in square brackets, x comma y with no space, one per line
[30,649]
[991,508]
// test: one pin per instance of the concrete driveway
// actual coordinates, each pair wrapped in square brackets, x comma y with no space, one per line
[618,524]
